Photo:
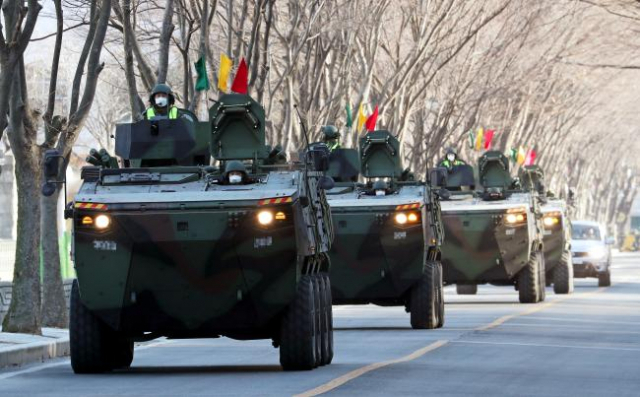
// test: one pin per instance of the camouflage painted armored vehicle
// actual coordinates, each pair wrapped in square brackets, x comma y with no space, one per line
[388,233]
[556,231]
[493,234]
[171,246]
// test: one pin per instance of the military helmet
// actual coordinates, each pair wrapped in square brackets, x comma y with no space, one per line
[451,150]
[380,185]
[330,132]
[234,165]
[162,88]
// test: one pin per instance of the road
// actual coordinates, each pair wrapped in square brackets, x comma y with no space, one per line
[585,344]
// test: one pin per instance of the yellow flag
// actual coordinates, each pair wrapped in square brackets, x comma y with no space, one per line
[522,154]
[223,75]
[362,118]
[479,138]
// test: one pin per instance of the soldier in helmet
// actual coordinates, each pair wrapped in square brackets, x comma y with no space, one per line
[235,173]
[162,104]
[331,137]
[451,159]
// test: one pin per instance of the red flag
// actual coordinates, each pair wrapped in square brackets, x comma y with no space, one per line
[370,124]
[488,137]
[531,157]
[240,81]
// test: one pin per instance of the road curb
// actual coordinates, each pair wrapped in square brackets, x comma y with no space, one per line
[33,352]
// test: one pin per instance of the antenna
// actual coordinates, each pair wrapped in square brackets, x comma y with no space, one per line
[304,127]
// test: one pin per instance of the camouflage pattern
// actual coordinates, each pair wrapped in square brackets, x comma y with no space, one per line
[556,232]
[184,254]
[481,245]
[374,259]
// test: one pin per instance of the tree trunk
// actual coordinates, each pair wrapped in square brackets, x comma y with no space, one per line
[54,307]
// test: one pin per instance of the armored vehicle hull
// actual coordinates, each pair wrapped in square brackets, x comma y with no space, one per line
[169,246]
[387,234]
[557,246]
[482,246]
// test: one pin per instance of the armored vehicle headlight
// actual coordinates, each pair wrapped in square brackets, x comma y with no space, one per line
[265,217]
[281,216]
[401,218]
[550,220]
[87,220]
[515,218]
[101,221]
[412,217]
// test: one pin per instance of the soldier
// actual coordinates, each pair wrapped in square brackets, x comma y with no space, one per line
[451,159]
[235,173]
[162,104]
[331,137]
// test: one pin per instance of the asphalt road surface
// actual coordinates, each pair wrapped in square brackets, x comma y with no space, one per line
[585,344]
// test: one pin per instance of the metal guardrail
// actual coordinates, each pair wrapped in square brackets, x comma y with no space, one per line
[5,295]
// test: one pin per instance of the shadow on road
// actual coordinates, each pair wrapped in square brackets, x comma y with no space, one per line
[206,369]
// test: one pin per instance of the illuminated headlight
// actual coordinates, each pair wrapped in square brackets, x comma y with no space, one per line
[550,221]
[101,221]
[402,218]
[265,217]
[515,218]
[597,252]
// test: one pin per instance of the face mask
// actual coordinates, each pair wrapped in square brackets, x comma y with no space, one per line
[380,193]
[162,101]
[235,178]
[451,157]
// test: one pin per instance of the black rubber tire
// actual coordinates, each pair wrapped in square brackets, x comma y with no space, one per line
[95,347]
[317,306]
[604,279]
[563,275]
[422,302]
[329,317]
[528,280]
[324,322]
[466,289]
[542,278]
[440,284]
[297,340]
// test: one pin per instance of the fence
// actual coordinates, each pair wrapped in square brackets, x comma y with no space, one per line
[8,256]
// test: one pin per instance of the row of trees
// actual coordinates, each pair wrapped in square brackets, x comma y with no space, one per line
[436,68]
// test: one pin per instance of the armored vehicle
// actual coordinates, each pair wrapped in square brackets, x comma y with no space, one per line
[171,246]
[493,234]
[388,232]
[556,230]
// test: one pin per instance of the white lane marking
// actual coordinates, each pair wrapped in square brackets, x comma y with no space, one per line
[548,345]
[582,321]
[337,382]
[571,328]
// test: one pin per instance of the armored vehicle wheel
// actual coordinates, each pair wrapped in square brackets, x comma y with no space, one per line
[529,280]
[542,279]
[563,275]
[297,339]
[423,300]
[318,332]
[94,346]
[329,317]
[604,279]
[440,297]
[467,289]
[325,336]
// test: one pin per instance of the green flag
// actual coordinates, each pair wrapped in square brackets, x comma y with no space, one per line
[349,117]
[513,154]
[472,139]
[202,82]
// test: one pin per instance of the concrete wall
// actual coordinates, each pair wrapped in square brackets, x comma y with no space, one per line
[5,296]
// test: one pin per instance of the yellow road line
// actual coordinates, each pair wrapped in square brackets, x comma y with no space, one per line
[337,382]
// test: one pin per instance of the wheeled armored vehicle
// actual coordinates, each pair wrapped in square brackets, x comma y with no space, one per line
[556,230]
[492,233]
[168,246]
[388,232]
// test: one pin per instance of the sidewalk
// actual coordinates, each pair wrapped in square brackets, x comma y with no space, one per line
[21,349]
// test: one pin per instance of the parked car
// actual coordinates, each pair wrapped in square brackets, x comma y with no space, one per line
[591,251]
